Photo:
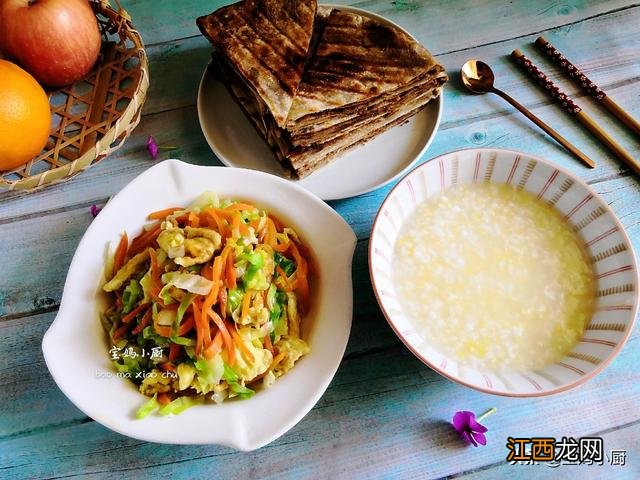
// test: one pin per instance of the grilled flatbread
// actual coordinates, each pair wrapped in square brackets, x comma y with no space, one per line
[266,42]
[357,59]
[359,77]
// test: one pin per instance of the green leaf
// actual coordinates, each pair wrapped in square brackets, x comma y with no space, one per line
[149,407]
[129,365]
[242,391]
[187,342]
[234,298]
[149,334]
[229,374]
[180,404]
[130,296]
[288,266]
[184,304]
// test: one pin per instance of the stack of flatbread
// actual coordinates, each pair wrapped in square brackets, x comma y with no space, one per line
[316,82]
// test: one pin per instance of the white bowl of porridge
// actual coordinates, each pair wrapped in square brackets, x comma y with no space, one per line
[503,272]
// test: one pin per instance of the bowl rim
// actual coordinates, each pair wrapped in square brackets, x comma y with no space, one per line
[584,378]
[241,443]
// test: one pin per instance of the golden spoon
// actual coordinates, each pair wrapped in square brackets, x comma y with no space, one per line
[478,77]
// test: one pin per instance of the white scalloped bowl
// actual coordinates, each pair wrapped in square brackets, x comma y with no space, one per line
[75,346]
[607,244]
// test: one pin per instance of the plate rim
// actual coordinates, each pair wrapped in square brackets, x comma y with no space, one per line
[427,137]
[56,330]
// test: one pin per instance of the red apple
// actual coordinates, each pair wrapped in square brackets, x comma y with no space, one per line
[57,41]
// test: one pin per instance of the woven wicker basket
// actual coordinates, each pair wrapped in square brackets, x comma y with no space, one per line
[93,117]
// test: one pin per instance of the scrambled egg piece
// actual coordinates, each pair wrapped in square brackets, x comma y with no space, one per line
[155,382]
[293,348]
[258,313]
[127,271]
[246,369]
[186,373]
[189,246]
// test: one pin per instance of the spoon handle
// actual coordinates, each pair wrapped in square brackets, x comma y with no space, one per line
[555,135]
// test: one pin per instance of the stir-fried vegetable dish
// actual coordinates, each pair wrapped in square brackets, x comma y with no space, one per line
[206,303]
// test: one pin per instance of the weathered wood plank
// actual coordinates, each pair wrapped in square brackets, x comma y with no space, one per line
[608,58]
[30,399]
[180,128]
[614,439]
[46,245]
[474,121]
[385,415]
[164,20]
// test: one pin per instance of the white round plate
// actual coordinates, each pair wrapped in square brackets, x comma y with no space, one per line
[236,143]
[76,348]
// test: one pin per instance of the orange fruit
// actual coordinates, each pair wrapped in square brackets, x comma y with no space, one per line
[25,117]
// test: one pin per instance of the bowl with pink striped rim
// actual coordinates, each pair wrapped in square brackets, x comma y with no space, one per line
[607,245]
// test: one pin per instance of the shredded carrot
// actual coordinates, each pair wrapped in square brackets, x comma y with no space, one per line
[156,282]
[301,275]
[144,240]
[270,237]
[160,214]
[228,341]
[163,399]
[120,332]
[277,223]
[226,214]
[276,361]
[186,326]
[222,299]
[121,253]
[214,347]
[182,219]
[174,351]
[281,247]
[255,223]
[285,281]
[235,225]
[143,323]
[162,331]
[267,343]
[230,271]
[219,261]
[239,207]
[262,233]
[197,318]
[204,324]
[246,304]
[133,313]
[312,268]
[245,350]
[194,220]
[211,213]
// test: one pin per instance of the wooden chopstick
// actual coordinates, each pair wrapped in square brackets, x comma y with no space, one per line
[570,106]
[586,85]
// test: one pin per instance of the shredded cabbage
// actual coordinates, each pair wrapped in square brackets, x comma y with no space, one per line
[187,281]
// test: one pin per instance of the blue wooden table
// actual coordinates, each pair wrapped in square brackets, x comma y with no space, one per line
[385,415]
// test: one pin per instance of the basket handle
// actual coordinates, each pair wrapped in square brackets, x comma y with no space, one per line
[123,13]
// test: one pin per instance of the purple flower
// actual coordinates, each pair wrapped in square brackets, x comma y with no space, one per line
[95,210]
[152,146]
[469,428]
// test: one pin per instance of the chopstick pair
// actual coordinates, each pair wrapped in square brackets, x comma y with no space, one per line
[570,106]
